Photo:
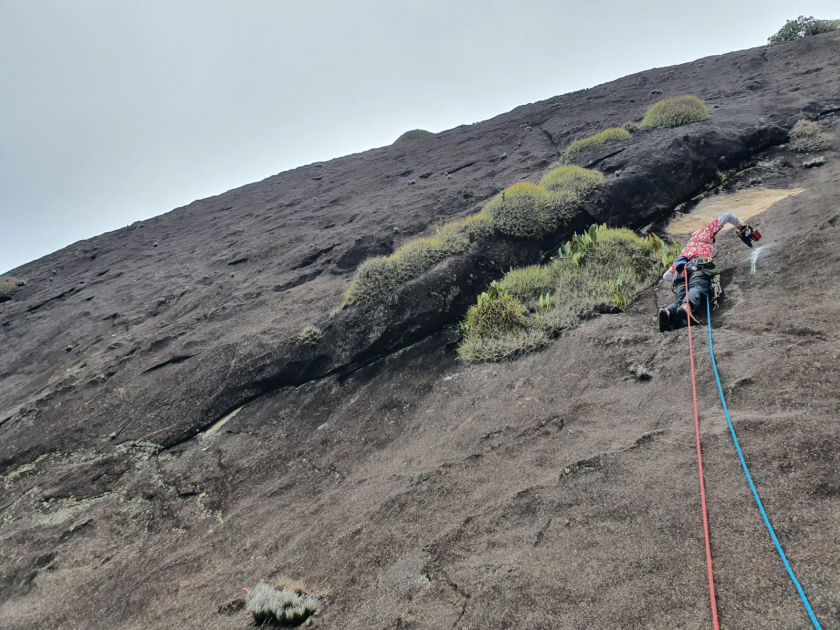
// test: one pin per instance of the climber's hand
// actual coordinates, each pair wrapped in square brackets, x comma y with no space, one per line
[748,234]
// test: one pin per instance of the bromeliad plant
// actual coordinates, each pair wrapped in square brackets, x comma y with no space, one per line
[576,248]
[668,251]
[545,301]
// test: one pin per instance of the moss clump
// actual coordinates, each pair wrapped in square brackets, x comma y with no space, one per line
[802,27]
[607,136]
[9,286]
[806,136]
[414,134]
[526,210]
[573,179]
[674,112]
[600,271]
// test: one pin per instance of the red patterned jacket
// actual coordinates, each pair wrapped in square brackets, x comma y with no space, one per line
[702,241]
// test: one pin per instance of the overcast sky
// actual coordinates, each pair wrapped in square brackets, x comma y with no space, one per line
[115,111]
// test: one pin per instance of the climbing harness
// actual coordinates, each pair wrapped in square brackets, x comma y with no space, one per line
[706,267]
[696,266]
[715,623]
[749,478]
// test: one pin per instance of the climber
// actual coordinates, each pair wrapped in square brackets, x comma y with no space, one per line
[703,277]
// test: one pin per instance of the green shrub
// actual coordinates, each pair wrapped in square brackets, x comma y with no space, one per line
[376,277]
[616,266]
[630,126]
[414,134]
[674,112]
[613,134]
[802,27]
[806,136]
[8,287]
[527,283]
[495,314]
[573,179]
[526,210]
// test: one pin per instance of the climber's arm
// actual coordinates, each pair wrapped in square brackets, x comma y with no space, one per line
[731,219]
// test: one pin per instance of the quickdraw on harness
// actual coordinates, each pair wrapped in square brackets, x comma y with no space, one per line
[705,266]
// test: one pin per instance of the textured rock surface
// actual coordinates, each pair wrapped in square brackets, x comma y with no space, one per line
[417,492]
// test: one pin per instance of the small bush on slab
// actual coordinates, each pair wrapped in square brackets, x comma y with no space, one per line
[9,286]
[310,335]
[573,179]
[674,112]
[802,27]
[526,210]
[495,314]
[806,136]
[613,134]
[630,126]
[284,604]
[602,270]
[376,277]
[414,134]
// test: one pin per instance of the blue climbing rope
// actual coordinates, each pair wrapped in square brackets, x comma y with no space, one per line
[752,485]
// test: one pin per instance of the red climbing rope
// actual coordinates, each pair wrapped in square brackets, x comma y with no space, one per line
[700,461]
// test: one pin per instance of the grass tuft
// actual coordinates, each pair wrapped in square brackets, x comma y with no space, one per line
[9,286]
[414,134]
[613,134]
[527,210]
[573,179]
[600,271]
[527,283]
[310,335]
[630,126]
[285,604]
[674,112]
[476,349]
[379,276]
[806,136]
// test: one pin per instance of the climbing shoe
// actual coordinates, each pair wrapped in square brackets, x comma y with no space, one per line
[664,320]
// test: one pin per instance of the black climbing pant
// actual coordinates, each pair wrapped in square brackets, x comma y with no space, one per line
[699,286]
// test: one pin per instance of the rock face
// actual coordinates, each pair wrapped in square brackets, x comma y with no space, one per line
[414,491]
